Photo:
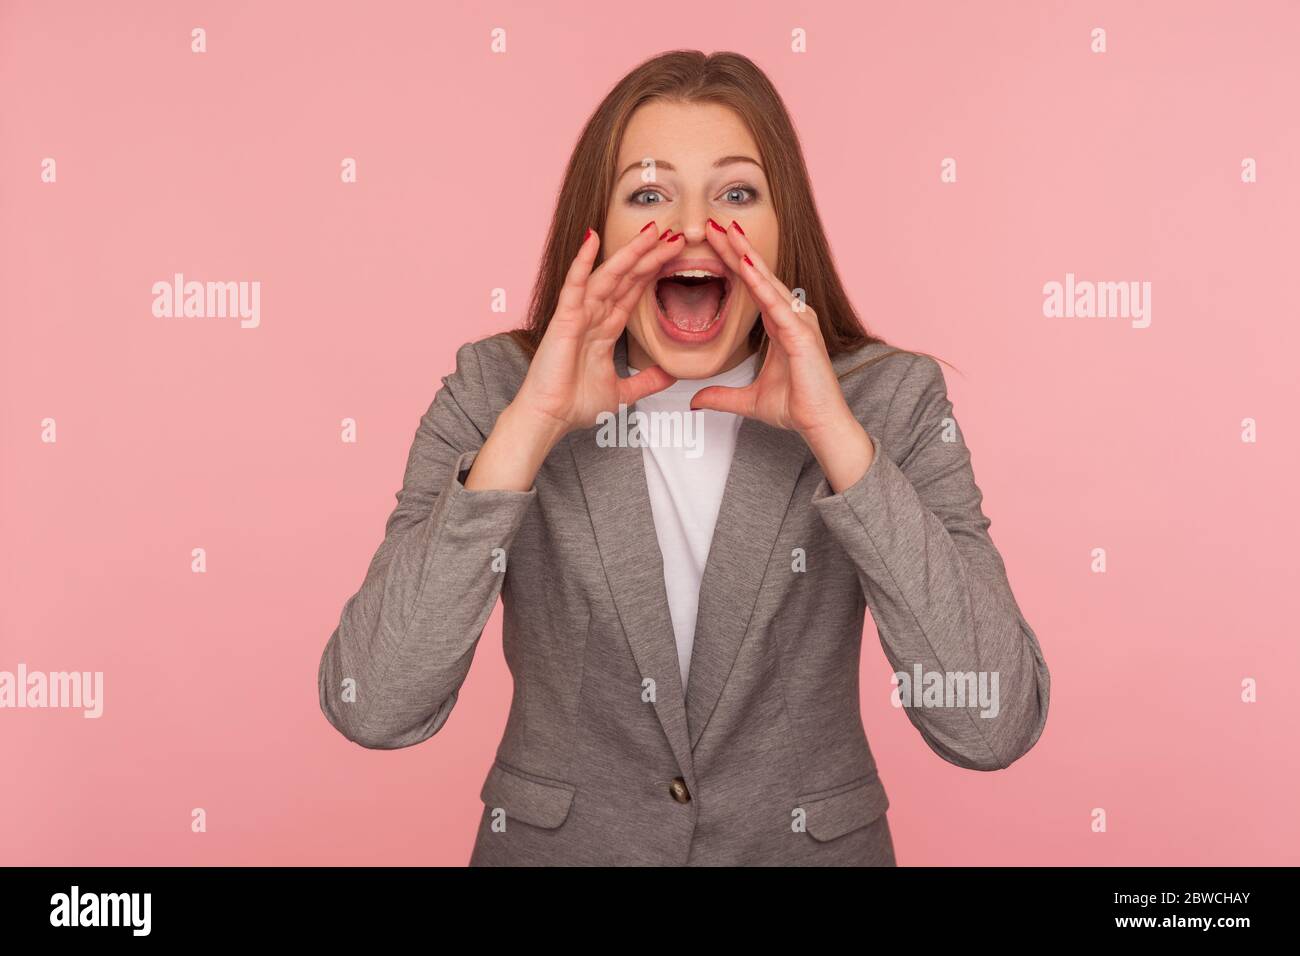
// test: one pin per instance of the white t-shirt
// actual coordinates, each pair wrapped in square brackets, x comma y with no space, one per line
[686,471]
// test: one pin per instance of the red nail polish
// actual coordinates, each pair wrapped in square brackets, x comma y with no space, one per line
[749,260]
[586,235]
[715,225]
[648,225]
[676,237]
[666,233]
[737,225]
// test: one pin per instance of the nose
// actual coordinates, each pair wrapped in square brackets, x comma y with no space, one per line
[694,232]
[691,221]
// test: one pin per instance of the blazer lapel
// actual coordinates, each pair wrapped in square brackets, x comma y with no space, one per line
[764,470]
[618,499]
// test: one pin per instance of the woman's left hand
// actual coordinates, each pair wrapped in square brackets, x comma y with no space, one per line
[797,387]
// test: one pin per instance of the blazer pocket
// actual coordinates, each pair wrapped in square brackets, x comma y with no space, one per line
[832,813]
[526,798]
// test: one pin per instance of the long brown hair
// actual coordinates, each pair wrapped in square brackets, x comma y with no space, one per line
[803,256]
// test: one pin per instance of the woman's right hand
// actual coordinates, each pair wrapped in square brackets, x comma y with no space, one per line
[572,378]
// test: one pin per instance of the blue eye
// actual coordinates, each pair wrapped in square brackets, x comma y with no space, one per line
[636,197]
[748,191]
[738,195]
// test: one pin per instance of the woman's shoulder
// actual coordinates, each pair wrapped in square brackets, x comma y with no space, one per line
[880,370]
[486,377]
[499,354]
[494,365]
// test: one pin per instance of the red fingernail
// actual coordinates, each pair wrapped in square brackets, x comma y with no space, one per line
[666,233]
[737,225]
[749,260]
[586,235]
[676,237]
[715,225]
[648,225]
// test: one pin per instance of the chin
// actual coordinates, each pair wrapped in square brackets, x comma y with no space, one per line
[689,361]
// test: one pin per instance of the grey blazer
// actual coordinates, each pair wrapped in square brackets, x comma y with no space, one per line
[762,759]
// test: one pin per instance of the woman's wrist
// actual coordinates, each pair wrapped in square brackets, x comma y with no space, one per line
[514,451]
[537,429]
[843,449]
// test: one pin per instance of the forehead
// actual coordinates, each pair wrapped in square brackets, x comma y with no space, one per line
[687,135]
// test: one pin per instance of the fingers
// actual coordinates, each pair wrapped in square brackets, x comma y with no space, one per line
[575,280]
[731,244]
[724,398]
[721,244]
[622,277]
[648,267]
[634,283]
[646,382]
[612,325]
[631,262]
[774,299]
[739,244]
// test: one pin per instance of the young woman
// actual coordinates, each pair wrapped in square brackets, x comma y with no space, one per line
[688,478]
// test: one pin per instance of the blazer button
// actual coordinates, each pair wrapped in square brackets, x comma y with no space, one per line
[678,789]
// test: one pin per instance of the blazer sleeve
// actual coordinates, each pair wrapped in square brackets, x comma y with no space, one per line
[392,669]
[934,581]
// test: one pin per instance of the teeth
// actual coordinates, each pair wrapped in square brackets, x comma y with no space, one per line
[694,274]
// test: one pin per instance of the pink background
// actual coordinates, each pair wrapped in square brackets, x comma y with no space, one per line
[183,433]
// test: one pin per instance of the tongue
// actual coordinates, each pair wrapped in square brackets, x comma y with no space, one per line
[691,307]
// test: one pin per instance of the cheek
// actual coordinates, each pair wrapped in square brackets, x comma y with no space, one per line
[613,236]
[747,301]
[747,316]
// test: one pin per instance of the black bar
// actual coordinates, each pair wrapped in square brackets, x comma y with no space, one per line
[334,905]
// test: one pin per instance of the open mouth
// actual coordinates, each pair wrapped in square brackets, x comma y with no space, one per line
[692,300]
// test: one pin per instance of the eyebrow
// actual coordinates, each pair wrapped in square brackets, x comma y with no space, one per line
[664,164]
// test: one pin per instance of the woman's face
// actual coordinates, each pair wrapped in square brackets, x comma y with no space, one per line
[681,164]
